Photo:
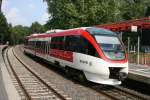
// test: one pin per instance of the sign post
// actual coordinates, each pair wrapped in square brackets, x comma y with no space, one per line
[135,29]
[138,56]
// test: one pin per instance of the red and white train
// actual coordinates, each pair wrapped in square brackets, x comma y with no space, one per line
[90,53]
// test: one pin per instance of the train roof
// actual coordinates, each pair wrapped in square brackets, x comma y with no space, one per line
[54,31]
[74,31]
[58,32]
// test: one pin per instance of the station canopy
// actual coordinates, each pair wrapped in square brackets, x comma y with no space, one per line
[141,24]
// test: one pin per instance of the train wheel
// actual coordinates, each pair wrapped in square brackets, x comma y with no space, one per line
[24,52]
[82,78]
[67,72]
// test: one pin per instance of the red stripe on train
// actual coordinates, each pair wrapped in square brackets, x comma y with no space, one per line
[61,54]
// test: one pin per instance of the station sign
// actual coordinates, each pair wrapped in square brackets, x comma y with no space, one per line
[134,28]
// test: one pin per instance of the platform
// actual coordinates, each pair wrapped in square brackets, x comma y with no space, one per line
[139,73]
[7,89]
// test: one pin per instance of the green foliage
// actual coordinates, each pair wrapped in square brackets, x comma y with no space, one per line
[76,13]
[19,32]
[4,29]
[37,28]
[134,9]
[3,24]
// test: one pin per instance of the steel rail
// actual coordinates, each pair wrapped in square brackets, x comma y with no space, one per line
[102,92]
[39,78]
[28,97]
[131,93]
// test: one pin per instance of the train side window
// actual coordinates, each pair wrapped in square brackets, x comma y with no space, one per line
[76,44]
[44,45]
[79,44]
[37,44]
[60,43]
[57,43]
[52,45]
[68,43]
[72,43]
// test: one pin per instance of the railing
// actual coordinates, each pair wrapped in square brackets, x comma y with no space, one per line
[144,58]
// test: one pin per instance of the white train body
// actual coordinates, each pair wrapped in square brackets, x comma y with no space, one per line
[104,61]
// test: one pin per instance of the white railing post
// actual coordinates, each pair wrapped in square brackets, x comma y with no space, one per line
[138,56]
[129,49]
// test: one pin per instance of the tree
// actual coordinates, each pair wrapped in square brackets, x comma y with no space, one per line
[37,28]
[19,32]
[70,13]
[75,13]
[4,29]
[134,9]
[147,14]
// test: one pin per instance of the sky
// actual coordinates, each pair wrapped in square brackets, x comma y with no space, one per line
[25,12]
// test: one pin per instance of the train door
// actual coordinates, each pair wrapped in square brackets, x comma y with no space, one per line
[34,47]
[88,48]
[86,56]
[47,48]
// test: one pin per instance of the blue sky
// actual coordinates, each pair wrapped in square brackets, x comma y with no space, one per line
[24,12]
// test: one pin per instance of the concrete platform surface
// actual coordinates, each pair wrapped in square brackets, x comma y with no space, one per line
[7,89]
[139,73]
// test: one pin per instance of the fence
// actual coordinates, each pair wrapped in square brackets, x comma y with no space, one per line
[144,58]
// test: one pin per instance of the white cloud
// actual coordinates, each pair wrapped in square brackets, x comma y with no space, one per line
[14,16]
[24,16]
[44,18]
[32,6]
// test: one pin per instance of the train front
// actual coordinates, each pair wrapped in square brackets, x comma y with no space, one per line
[112,65]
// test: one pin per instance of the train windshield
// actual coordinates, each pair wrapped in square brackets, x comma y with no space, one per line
[111,47]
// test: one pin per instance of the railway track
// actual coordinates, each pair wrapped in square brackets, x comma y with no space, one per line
[120,93]
[114,93]
[32,85]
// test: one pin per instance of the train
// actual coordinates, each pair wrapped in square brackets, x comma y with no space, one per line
[87,53]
